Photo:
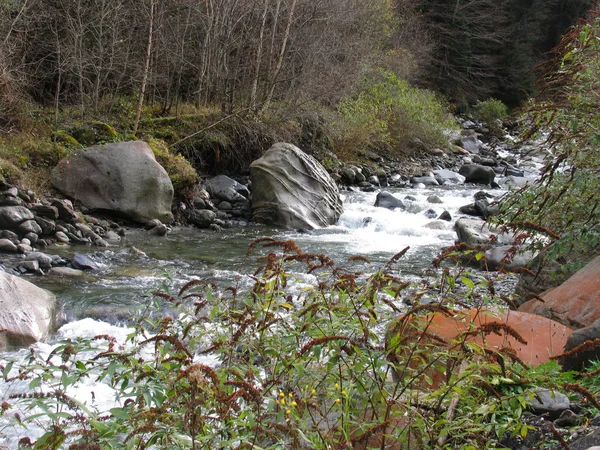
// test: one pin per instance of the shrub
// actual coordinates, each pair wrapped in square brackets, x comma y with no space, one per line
[292,367]
[564,202]
[491,110]
[183,176]
[388,112]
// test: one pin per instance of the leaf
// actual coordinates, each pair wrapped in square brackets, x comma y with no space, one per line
[35,383]
[468,282]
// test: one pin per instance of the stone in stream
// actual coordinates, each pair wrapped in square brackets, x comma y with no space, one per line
[83,262]
[292,189]
[387,200]
[475,173]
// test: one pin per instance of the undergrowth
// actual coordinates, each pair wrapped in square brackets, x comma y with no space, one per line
[283,365]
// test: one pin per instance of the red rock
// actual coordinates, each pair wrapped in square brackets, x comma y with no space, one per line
[576,302]
[544,337]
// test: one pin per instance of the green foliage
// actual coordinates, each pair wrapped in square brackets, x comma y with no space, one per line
[564,203]
[183,176]
[93,132]
[289,366]
[491,110]
[388,112]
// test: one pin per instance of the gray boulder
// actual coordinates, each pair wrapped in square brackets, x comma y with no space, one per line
[13,216]
[470,142]
[502,257]
[83,262]
[444,176]
[26,312]
[475,173]
[478,232]
[224,188]
[426,180]
[387,200]
[121,178]
[202,218]
[292,189]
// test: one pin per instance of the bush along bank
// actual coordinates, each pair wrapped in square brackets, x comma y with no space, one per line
[277,367]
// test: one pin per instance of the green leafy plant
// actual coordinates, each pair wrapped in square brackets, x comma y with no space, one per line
[388,112]
[491,110]
[562,207]
[282,365]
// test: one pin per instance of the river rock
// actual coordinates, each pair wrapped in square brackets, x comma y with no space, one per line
[224,188]
[202,218]
[445,176]
[386,200]
[550,402]
[479,232]
[470,142]
[26,311]
[583,358]
[475,173]
[576,302]
[7,246]
[425,180]
[66,272]
[544,337]
[65,209]
[83,262]
[43,259]
[445,216]
[121,178]
[47,211]
[13,216]
[293,190]
[501,257]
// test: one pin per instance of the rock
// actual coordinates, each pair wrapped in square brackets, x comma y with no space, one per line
[224,188]
[66,272]
[517,182]
[13,216]
[548,273]
[374,180]
[478,232]
[225,206]
[136,251]
[566,419]
[445,176]
[47,226]
[436,225]
[202,218]
[31,266]
[159,230]
[66,212]
[576,302]
[445,216]
[549,402]
[434,199]
[83,262]
[29,226]
[544,337]
[348,175]
[430,214]
[475,173]
[24,248]
[121,178]
[292,189]
[152,223]
[502,257]
[386,200]
[7,246]
[26,312]
[47,211]
[43,259]
[470,142]
[426,180]
[61,237]
[582,358]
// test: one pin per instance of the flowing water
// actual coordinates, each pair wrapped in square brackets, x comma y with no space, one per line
[100,302]
[126,279]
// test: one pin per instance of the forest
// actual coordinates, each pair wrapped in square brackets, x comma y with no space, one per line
[275,56]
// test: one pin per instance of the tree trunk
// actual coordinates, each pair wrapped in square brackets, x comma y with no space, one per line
[281,57]
[258,56]
[138,111]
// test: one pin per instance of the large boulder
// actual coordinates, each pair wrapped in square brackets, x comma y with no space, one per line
[292,189]
[26,312]
[576,302]
[120,178]
[542,338]
[475,173]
